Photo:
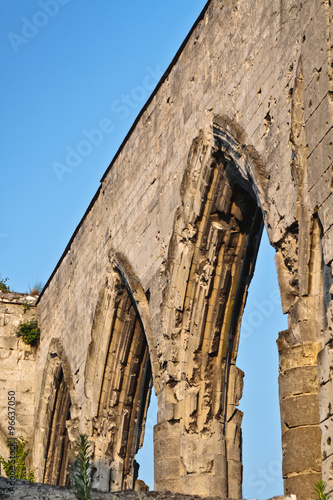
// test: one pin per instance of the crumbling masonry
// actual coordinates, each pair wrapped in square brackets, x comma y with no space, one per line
[151,288]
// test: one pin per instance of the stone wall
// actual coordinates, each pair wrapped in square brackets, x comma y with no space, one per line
[240,124]
[29,491]
[18,367]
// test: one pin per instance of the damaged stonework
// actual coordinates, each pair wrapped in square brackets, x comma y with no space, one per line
[150,291]
[56,420]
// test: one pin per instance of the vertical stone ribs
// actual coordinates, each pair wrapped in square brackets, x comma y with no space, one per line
[56,467]
[125,392]
[212,264]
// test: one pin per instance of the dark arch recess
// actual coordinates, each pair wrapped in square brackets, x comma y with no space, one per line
[57,450]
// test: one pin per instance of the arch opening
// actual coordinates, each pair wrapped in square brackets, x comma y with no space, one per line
[124,389]
[211,262]
[58,446]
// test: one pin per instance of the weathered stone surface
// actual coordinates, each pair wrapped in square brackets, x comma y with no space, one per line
[302,485]
[153,284]
[300,380]
[293,461]
[23,489]
[301,410]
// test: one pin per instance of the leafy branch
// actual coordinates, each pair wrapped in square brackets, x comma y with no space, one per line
[83,468]
[320,491]
[4,288]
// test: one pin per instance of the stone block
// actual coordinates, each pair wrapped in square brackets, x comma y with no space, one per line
[325,400]
[327,243]
[204,485]
[286,291]
[328,472]
[167,468]
[166,448]
[325,363]
[314,47]
[316,91]
[327,440]
[320,196]
[299,380]
[9,342]
[302,485]
[300,410]
[301,450]
[319,161]
[318,124]
[298,356]
[308,12]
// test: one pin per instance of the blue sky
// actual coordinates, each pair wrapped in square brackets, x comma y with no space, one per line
[73,70]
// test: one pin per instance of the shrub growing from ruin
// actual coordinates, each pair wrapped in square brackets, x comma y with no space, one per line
[4,288]
[15,467]
[29,332]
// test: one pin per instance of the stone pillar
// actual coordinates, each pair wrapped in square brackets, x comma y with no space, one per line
[167,461]
[298,387]
[199,447]
[190,462]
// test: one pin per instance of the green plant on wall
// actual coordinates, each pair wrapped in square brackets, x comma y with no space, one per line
[320,491]
[36,288]
[29,332]
[4,288]
[16,467]
[26,307]
[83,468]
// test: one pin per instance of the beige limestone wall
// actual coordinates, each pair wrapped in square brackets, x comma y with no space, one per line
[266,68]
[18,367]
[46,492]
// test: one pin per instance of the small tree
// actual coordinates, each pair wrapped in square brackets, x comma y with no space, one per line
[83,468]
[15,467]
[4,288]
[320,491]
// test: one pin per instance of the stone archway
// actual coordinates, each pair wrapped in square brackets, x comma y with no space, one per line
[118,383]
[56,419]
[57,450]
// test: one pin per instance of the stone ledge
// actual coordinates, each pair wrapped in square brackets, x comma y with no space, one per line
[36,491]
[18,298]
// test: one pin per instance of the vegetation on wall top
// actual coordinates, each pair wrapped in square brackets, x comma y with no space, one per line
[36,288]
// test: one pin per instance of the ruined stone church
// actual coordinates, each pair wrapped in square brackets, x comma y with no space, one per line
[150,291]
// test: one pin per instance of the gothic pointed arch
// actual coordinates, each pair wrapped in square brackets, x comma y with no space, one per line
[55,418]
[118,379]
[211,260]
